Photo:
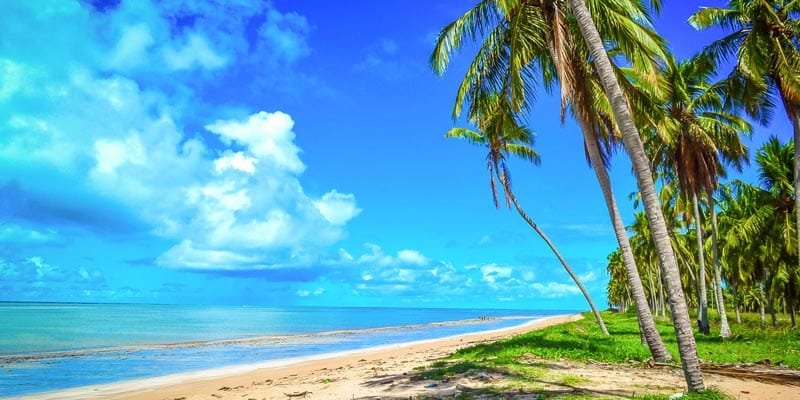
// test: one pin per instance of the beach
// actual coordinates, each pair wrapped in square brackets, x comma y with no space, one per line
[332,375]
[393,371]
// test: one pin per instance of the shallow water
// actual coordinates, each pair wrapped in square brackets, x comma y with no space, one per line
[46,347]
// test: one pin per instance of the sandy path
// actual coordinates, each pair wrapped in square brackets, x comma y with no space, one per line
[392,373]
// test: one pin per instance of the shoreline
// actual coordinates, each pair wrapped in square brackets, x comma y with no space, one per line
[208,380]
[260,339]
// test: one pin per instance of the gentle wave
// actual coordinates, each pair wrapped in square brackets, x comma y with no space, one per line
[302,338]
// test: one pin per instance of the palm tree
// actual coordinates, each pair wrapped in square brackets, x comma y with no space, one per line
[500,131]
[760,222]
[698,134]
[523,37]
[641,165]
[764,35]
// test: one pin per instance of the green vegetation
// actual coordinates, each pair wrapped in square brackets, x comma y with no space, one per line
[709,394]
[681,130]
[525,360]
[582,341]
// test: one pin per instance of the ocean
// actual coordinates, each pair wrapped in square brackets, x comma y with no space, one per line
[52,346]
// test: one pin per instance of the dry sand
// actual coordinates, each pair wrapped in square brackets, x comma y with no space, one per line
[392,372]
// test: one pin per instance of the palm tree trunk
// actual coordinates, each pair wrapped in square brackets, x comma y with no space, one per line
[633,145]
[736,302]
[761,301]
[724,328]
[555,251]
[702,301]
[646,323]
[662,305]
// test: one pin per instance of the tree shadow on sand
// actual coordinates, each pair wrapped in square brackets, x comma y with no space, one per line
[470,380]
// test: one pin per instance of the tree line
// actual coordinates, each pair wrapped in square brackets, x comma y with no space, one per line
[681,129]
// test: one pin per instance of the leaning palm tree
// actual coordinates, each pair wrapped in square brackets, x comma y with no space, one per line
[641,166]
[502,134]
[764,36]
[697,135]
[523,39]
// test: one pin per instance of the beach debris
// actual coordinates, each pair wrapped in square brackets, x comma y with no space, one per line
[431,385]
[302,394]
[677,396]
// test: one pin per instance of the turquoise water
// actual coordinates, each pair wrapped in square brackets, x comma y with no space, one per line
[50,346]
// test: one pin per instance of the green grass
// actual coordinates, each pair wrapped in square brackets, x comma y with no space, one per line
[708,394]
[582,341]
[523,358]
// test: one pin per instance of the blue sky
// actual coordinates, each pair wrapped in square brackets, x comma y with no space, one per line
[276,153]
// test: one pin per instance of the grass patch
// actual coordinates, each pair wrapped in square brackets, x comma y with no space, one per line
[708,394]
[523,358]
[572,380]
[442,369]
[582,341]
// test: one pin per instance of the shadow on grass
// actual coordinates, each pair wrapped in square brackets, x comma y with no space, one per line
[486,381]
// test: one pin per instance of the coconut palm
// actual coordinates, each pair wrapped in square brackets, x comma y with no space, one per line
[641,165]
[524,39]
[764,36]
[760,224]
[502,134]
[697,136]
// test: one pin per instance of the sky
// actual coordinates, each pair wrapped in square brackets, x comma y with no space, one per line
[285,153]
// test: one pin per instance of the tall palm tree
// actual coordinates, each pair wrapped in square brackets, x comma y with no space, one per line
[527,38]
[698,134]
[500,131]
[764,36]
[641,165]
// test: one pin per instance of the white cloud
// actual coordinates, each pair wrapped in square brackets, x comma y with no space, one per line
[555,289]
[12,78]
[588,276]
[377,257]
[132,47]
[285,35]
[337,208]
[110,154]
[236,161]
[187,256]
[528,276]
[412,257]
[307,293]
[196,52]
[268,136]
[13,233]
[493,272]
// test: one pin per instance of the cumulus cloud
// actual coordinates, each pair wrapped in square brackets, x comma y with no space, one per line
[111,128]
[412,257]
[337,208]
[269,136]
